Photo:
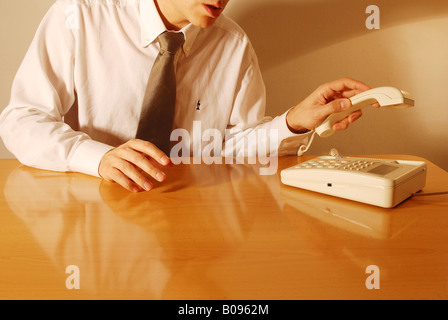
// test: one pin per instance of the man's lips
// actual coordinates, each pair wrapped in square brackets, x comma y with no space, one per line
[213,10]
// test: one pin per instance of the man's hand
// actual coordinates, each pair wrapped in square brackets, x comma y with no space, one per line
[329,98]
[131,164]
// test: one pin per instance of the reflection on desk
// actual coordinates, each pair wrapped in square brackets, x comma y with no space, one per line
[215,232]
[146,241]
[359,218]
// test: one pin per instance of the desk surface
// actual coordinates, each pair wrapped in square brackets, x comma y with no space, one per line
[215,232]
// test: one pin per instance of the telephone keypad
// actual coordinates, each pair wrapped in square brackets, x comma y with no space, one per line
[340,164]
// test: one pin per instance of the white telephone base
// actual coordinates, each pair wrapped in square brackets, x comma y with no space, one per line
[383,183]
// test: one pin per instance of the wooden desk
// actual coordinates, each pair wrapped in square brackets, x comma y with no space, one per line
[215,232]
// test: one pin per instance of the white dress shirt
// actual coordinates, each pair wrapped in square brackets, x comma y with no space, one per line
[79,90]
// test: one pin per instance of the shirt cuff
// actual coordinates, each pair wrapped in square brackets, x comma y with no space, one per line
[87,157]
[283,131]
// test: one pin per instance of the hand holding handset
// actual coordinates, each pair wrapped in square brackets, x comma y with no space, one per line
[385,96]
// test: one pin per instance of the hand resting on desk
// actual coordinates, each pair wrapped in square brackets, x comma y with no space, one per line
[130,164]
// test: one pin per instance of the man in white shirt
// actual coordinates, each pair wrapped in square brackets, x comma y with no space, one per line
[77,97]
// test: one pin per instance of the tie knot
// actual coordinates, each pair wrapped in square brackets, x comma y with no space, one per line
[171,41]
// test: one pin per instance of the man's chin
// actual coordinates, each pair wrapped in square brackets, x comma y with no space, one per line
[205,22]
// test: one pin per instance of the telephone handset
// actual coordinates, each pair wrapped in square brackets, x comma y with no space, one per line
[385,96]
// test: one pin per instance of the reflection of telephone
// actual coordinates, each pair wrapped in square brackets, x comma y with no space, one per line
[384,183]
[357,218]
[385,96]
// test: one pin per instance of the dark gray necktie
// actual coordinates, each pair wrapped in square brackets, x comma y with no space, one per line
[156,120]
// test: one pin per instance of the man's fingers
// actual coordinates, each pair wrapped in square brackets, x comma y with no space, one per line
[348,84]
[124,173]
[136,159]
[150,150]
[354,116]
[131,171]
[344,123]
[132,163]
[345,87]
[120,178]
[350,93]
[335,106]
[329,98]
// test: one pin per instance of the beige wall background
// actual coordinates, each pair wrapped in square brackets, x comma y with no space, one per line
[19,20]
[304,43]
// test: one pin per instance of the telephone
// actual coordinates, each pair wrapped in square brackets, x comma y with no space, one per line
[385,96]
[383,183]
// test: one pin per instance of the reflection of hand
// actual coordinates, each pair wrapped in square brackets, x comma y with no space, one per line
[329,98]
[130,164]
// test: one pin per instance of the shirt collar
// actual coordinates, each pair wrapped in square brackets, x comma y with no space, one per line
[152,26]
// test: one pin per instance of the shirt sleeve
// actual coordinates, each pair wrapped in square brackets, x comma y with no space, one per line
[251,133]
[32,125]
